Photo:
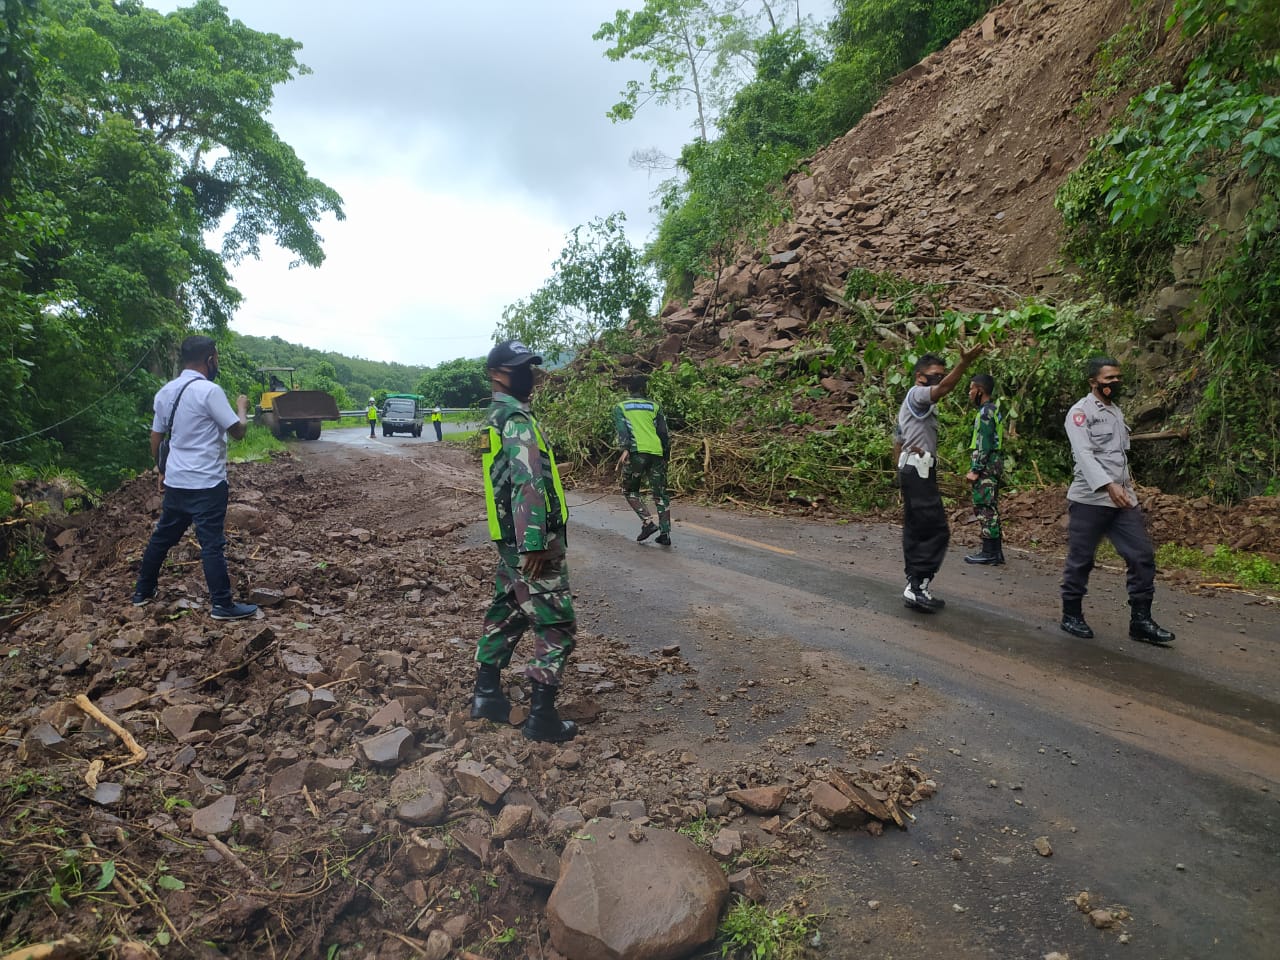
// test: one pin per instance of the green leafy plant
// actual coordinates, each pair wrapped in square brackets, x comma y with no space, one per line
[1235,566]
[750,931]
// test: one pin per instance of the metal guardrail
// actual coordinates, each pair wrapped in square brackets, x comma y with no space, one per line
[364,410]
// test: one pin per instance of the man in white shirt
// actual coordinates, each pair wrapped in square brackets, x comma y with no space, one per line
[196,415]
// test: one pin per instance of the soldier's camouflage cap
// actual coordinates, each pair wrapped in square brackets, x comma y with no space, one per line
[511,353]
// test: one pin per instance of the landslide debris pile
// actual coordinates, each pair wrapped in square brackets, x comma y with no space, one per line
[311,778]
[950,180]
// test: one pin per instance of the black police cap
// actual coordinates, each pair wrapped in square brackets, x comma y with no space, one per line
[511,353]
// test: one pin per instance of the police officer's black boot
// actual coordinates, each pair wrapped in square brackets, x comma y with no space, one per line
[991,554]
[1143,628]
[544,722]
[488,702]
[1073,620]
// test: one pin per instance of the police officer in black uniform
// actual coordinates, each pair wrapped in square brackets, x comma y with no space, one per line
[1104,503]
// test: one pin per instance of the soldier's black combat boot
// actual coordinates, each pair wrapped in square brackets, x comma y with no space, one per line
[991,554]
[647,530]
[1073,620]
[488,702]
[1143,629]
[544,722]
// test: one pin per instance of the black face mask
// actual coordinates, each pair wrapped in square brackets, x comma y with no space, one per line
[977,400]
[520,381]
[213,369]
[933,379]
[1112,390]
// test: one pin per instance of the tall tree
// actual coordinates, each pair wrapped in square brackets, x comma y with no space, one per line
[681,41]
[600,282]
[153,135]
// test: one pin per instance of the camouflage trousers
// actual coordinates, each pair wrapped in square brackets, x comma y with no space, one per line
[544,605]
[986,505]
[647,469]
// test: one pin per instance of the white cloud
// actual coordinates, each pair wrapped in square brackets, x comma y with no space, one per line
[466,139]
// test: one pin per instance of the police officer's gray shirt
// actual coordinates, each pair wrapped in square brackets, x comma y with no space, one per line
[1100,445]
[918,422]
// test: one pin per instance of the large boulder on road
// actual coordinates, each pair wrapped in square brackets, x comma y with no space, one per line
[628,892]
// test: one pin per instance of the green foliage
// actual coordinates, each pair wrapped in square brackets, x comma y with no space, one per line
[874,41]
[257,444]
[356,375]
[599,283]
[325,378]
[686,44]
[751,931]
[455,383]
[134,135]
[1236,566]
[799,97]
[725,198]
[1202,161]
[753,428]
[1125,59]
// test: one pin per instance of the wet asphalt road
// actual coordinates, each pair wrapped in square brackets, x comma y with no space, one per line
[1154,773]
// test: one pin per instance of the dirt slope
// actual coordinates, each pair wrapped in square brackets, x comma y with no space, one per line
[261,735]
[949,180]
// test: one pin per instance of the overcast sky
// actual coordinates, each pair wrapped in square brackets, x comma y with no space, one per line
[466,140]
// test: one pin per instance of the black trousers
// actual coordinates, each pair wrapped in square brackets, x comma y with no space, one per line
[925,533]
[1087,524]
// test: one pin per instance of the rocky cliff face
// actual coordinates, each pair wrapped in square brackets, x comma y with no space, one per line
[949,180]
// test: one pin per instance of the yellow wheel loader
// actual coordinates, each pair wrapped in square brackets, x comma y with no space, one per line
[288,412]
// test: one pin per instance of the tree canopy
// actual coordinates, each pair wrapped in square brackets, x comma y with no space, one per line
[130,136]
[600,282]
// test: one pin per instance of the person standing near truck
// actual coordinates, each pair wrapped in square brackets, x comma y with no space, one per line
[372,415]
[437,421]
[195,414]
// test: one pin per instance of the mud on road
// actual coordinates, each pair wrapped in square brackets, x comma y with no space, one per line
[757,652]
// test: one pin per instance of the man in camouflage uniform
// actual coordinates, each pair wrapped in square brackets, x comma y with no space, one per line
[986,465]
[527,519]
[645,443]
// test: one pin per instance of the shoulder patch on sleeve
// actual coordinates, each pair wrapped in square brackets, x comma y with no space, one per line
[1078,418]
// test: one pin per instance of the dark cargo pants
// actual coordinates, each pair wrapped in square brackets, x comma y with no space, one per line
[1087,524]
[925,533]
[544,605]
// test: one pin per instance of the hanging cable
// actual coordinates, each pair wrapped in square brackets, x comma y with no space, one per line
[86,409]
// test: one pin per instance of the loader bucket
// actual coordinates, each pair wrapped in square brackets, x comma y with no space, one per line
[306,405]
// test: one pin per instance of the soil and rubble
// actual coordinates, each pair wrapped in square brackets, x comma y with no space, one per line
[308,778]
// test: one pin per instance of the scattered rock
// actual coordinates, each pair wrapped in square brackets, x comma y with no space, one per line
[760,799]
[187,718]
[421,796]
[512,821]
[748,884]
[1043,847]
[388,749]
[533,863]
[214,819]
[481,781]
[726,845]
[615,899]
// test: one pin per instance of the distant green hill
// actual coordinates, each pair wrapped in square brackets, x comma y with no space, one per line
[358,376]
